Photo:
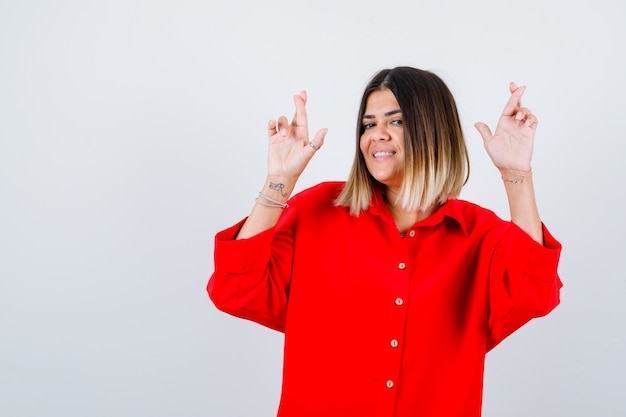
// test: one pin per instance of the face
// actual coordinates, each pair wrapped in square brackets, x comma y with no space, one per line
[382,141]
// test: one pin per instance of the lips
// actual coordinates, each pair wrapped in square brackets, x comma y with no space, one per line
[382,154]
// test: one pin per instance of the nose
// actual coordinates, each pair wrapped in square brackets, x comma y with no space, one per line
[379,133]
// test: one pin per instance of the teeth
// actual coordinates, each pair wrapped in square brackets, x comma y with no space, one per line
[379,154]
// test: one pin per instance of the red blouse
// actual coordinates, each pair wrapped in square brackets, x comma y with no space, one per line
[376,324]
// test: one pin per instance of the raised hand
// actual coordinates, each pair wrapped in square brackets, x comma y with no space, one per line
[290,149]
[511,149]
[511,146]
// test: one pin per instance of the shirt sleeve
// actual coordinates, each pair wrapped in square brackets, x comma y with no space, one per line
[252,276]
[524,283]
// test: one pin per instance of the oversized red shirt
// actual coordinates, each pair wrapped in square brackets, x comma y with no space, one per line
[379,325]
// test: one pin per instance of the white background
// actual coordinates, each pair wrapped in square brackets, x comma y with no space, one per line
[132,131]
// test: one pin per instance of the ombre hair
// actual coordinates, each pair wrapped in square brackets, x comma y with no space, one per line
[436,159]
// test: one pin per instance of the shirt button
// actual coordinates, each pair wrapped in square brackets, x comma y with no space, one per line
[394,343]
[412,233]
[389,384]
[399,301]
[401,265]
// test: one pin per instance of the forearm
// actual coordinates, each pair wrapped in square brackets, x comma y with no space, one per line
[522,203]
[265,213]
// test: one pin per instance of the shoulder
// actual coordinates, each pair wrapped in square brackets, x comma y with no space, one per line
[317,201]
[472,217]
[470,209]
[322,192]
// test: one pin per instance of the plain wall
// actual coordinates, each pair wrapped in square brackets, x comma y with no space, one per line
[132,131]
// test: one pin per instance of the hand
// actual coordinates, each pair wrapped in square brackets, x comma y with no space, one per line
[289,147]
[511,146]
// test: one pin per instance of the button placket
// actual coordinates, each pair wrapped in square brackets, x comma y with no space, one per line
[394,343]
[395,332]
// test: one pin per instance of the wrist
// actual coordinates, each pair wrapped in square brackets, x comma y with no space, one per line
[515,176]
[278,188]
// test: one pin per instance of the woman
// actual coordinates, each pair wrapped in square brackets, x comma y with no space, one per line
[389,289]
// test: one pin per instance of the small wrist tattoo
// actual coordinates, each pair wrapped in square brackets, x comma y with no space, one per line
[278,187]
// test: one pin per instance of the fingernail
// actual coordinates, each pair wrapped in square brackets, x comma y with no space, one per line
[283,132]
[527,123]
[519,115]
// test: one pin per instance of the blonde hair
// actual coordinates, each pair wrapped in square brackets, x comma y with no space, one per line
[436,158]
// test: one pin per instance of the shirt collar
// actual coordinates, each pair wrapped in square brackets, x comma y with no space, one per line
[451,210]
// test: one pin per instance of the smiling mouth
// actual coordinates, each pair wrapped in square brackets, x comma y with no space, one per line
[382,154]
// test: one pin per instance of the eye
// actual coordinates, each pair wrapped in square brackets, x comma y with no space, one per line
[368,125]
[396,122]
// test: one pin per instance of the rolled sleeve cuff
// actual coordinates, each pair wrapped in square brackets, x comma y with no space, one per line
[539,258]
[234,256]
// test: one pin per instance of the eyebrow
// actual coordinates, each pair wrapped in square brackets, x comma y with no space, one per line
[389,113]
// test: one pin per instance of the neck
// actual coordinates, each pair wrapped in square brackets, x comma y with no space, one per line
[403,218]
